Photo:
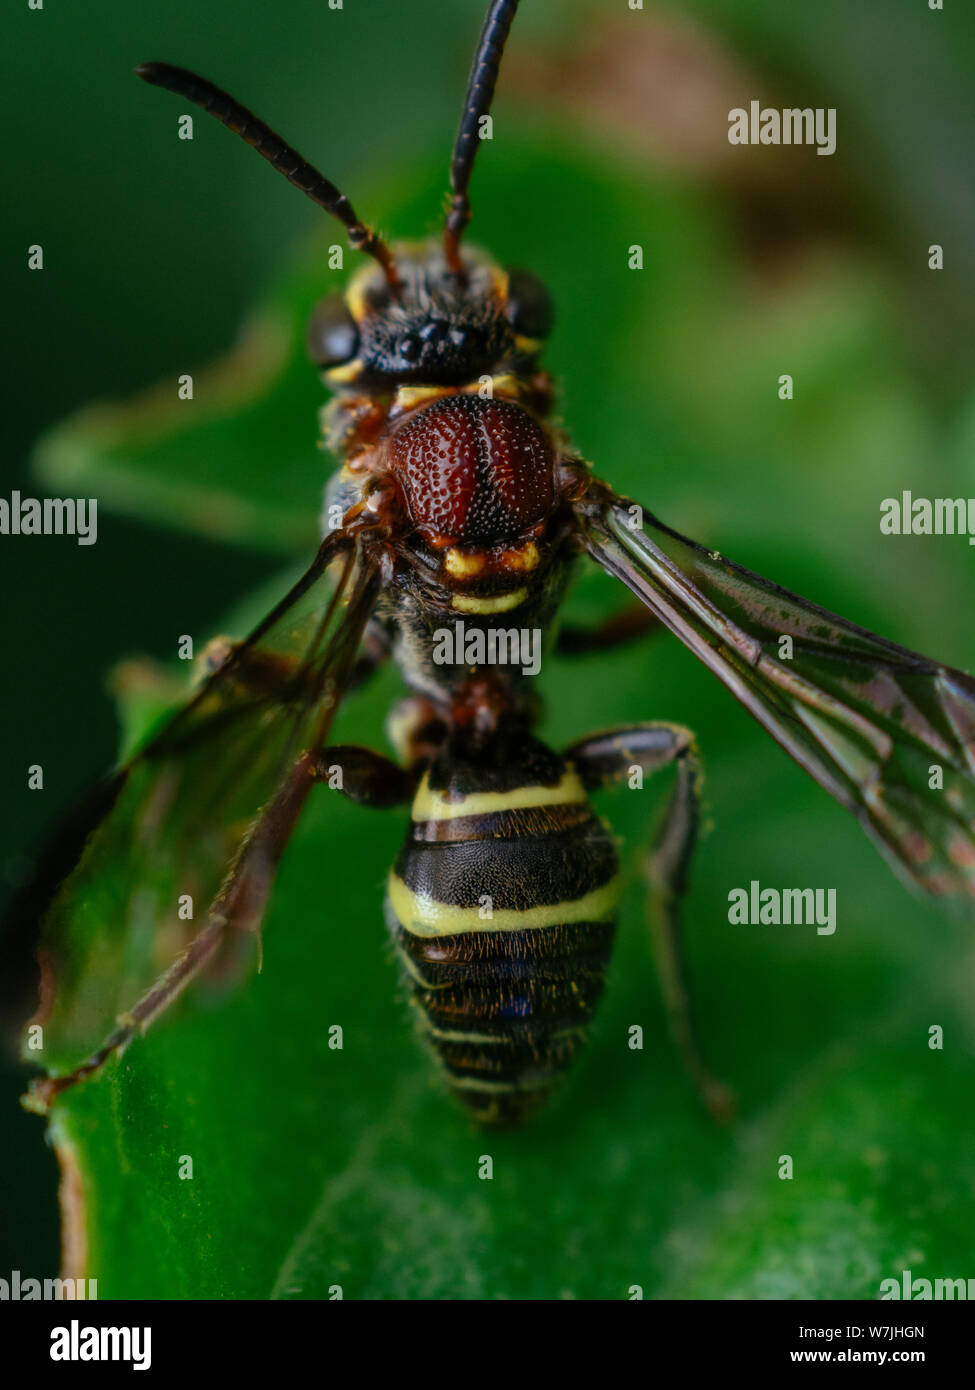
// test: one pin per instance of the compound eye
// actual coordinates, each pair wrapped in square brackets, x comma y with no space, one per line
[333,336]
[529,305]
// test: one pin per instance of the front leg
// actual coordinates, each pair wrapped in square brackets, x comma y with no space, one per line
[267,674]
[613,757]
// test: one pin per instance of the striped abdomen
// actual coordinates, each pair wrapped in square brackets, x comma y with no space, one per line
[501,905]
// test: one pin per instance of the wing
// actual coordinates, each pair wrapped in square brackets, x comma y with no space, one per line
[179,848]
[870,720]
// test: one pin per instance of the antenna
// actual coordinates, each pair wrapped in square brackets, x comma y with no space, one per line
[477,103]
[277,152]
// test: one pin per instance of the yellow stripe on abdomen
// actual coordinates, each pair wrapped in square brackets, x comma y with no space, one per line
[433,805]
[423,915]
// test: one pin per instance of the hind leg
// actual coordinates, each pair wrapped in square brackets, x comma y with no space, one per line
[360,774]
[614,757]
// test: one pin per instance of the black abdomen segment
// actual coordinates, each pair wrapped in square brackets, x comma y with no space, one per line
[501,907]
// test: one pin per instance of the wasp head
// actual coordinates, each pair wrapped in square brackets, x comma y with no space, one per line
[433,329]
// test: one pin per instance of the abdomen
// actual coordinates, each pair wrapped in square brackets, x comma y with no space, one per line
[501,905]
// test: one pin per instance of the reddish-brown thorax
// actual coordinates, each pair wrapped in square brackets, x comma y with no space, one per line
[472,469]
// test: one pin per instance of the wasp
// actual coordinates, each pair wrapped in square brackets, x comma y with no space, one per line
[458,501]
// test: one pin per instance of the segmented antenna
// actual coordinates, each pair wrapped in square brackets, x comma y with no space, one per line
[477,103]
[276,151]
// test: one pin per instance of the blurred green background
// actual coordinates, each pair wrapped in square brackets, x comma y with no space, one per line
[610,129]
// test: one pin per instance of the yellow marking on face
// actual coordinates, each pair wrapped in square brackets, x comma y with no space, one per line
[344,375]
[463,566]
[500,603]
[430,805]
[499,280]
[355,294]
[422,915]
[528,346]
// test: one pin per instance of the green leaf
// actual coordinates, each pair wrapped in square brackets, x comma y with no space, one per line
[313,1167]
[230,464]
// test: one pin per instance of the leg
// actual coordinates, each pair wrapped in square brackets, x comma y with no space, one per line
[612,757]
[417,729]
[239,906]
[364,776]
[266,674]
[375,649]
[634,620]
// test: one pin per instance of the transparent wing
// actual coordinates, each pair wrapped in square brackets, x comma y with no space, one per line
[178,849]
[889,733]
